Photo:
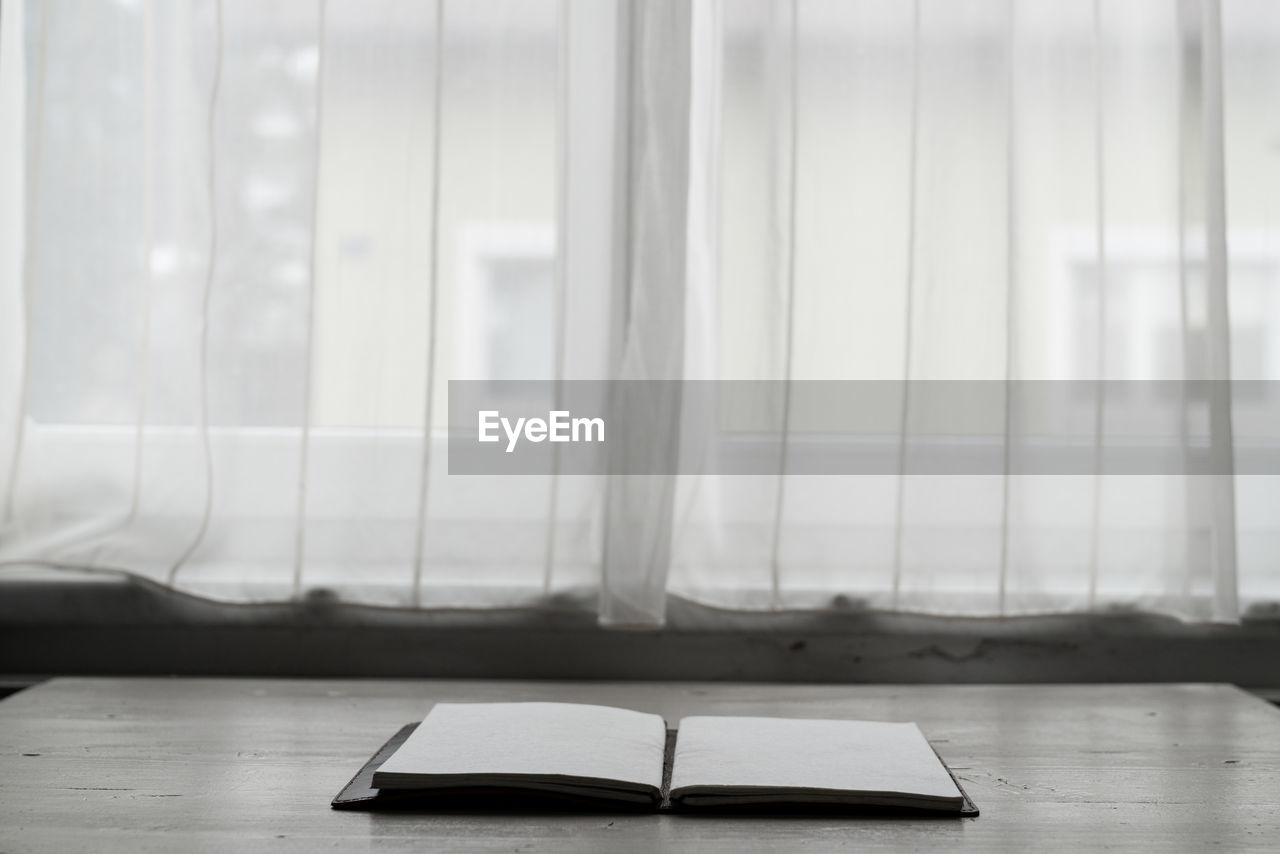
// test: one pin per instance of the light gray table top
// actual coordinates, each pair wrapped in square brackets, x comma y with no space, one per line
[248,765]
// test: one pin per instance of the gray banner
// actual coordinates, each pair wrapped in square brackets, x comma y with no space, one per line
[862,427]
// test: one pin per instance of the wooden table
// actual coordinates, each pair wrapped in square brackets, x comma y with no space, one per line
[248,765]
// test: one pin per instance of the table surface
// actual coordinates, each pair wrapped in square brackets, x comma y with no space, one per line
[242,764]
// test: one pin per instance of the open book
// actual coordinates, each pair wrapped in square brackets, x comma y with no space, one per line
[600,755]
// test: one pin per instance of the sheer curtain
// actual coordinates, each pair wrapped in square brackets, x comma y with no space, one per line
[258,239]
[1025,192]
[246,245]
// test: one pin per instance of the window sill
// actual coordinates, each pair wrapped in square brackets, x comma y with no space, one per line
[58,623]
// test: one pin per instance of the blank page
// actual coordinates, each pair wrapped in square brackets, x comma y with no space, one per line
[733,760]
[527,744]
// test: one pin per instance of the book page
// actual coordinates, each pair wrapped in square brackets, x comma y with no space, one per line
[816,761]
[461,744]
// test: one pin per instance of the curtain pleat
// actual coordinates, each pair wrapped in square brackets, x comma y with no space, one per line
[211,266]
[1100,243]
[433,303]
[1218,336]
[304,441]
[30,232]
[788,113]
[1011,294]
[638,510]
[909,291]
[560,331]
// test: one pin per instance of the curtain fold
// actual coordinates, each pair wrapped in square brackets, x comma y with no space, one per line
[244,248]
[638,508]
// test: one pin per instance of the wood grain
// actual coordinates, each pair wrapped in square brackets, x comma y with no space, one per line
[250,765]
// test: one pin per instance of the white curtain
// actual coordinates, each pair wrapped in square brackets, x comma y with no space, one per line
[244,246]
[931,191]
[258,239]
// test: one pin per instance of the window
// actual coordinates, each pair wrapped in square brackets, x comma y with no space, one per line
[260,240]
